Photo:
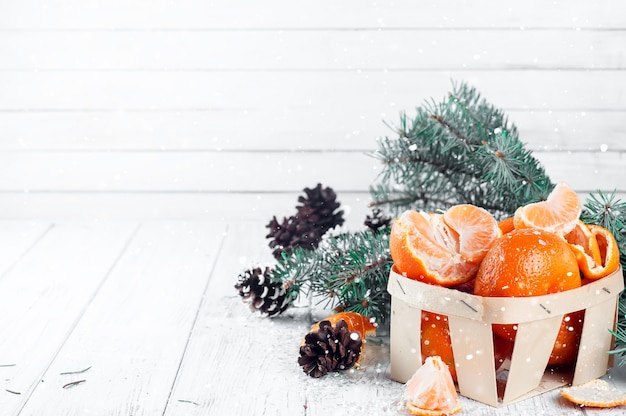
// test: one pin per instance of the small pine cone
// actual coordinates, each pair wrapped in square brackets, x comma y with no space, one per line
[377,220]
[290,234]
[318,208]
[262,294]
[314,217]
[330,349]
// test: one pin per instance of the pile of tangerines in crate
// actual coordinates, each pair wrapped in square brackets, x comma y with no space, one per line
[544,248]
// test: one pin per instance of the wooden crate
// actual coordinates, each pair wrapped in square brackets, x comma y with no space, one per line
[470,318]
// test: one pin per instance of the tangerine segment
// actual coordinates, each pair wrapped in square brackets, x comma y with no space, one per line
[443,249]
[558,214]
[476,229]
[585,246]
[506,225]
[609,254]
[594,393]
[430,391]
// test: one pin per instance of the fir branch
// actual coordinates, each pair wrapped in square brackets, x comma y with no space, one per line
[460,150]
[348,271]
[609,212]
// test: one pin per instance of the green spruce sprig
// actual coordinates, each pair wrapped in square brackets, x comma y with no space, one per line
[346,272]
[460,150]
[608,211]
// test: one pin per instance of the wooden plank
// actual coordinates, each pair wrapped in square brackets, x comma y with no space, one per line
[188,171]
[373,49]
[16,239]
[250,172]
[111,15]
[266,377]
[179,206]
[43,297]
[135,330]
[166,206]
[296,129]
[378,94]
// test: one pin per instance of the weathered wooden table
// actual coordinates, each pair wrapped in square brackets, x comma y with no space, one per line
[127,318]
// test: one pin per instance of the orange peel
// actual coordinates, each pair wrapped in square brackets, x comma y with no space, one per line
[594,393]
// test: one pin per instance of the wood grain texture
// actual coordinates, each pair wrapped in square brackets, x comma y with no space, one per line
[309,49]
[190,14]
[109,98]
[164,332]
[293,130]
[45,294]
[252,172]
[135,330]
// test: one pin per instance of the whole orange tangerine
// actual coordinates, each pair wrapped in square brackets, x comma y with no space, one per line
[531,262]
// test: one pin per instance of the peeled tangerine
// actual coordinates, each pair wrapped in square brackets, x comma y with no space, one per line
[430,391]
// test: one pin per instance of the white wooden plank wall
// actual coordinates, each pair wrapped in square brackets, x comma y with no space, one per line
[227,109]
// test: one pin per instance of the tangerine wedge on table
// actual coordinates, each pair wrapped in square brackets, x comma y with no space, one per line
[532,262]
[559,213]
[430,391]
[443,249]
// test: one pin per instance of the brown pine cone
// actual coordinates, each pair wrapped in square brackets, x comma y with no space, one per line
[330,349]
[315,216]
[262,294]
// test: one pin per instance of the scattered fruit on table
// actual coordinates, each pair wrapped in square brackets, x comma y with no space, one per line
[594,393]
[430,391]
[444,249]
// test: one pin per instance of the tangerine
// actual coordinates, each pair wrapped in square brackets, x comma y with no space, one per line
[444,249]
[559,213]
[506,225]
[435,339]
[430,391]
[531,262]
[355,321]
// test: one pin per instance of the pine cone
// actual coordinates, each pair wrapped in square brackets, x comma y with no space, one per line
[292,233]
[313,219]
[377,220]
[330,349]
[262,294]
[318,208]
